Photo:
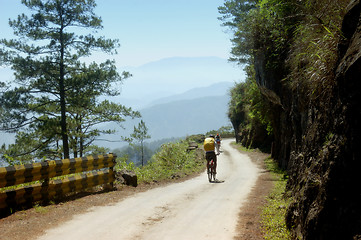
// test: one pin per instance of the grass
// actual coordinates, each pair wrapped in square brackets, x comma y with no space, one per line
[274,212]
[40,209]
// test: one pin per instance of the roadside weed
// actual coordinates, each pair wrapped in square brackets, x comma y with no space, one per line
[274,212]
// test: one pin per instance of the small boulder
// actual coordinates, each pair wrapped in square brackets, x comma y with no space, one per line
[127,177]
[192,146]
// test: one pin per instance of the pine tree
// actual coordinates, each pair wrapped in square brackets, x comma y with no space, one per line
[140,134]
[54,92]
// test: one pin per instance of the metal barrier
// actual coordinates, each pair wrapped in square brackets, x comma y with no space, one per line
[94,170]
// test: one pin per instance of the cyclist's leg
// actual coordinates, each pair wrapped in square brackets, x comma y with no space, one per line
[209,169]
[208,158]
[214,157]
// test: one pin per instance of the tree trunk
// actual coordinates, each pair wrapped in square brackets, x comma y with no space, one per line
[64,133]
[142,153]
[81,148]
[236,131]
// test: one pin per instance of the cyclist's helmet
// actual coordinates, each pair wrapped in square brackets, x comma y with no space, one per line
[212,136]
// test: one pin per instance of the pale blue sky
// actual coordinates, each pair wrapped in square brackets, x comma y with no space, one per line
[150,30]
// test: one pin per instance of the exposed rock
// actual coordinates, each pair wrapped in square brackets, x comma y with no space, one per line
[192,146]
[324,167]
[319,140]
[127,177]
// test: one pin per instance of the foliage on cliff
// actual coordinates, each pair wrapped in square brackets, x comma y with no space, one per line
[249,114]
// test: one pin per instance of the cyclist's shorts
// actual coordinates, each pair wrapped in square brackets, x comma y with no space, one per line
[210,156]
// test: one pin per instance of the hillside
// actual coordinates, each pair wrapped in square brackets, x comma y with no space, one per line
[195,111]
[186,117]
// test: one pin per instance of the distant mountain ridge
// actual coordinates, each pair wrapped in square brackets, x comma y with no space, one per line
[217,89]
[175,119]
[186,117]
[172,76]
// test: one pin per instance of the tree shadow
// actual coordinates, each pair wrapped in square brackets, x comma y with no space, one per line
[62,198]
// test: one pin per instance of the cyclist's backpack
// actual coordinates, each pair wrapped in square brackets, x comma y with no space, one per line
[208,144]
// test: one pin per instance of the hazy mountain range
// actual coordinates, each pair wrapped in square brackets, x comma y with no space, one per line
[217,89]
[173,76]
[176,97]
[196,111]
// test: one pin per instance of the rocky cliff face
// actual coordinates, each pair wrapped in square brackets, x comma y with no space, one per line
[319,141]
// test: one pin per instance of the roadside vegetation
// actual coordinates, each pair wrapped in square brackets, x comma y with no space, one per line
[172,161]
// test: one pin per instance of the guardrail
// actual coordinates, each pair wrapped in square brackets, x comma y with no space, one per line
[93,171]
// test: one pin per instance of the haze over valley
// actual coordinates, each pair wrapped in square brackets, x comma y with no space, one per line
[176,97]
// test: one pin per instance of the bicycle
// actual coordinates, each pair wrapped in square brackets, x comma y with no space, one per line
[211,171]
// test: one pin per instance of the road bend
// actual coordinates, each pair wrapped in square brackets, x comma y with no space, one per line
[194,209]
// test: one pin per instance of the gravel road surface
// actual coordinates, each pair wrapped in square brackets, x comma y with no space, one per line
[194,209]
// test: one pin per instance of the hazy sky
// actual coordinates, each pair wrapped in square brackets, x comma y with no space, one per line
[150,30]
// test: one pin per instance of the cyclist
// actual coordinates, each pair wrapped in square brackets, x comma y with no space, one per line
[209,147]
[218,142]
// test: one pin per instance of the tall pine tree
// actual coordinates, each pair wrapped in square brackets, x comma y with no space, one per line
[53,88]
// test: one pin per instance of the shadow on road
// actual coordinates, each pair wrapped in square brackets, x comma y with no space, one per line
[217,181]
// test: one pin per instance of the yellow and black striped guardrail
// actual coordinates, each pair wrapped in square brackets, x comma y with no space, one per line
[95,170]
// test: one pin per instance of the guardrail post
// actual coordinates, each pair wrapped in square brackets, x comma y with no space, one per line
[111,170]
[45,185]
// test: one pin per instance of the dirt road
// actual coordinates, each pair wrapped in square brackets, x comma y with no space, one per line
[194,209]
